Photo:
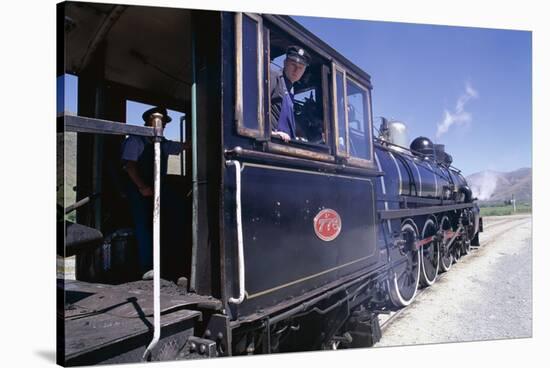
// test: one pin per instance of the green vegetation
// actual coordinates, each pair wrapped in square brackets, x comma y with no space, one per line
[504,210]
[66,171]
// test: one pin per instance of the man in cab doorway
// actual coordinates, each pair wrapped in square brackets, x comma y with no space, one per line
[137,159]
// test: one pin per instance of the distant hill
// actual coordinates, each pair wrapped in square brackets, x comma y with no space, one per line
[493,186]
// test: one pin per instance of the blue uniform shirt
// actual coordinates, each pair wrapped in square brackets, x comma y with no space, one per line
[282,104]
[287,122]
[141,150]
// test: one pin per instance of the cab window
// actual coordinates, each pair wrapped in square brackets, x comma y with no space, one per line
[352,119]
[249,71]
[358,121]
[309,109]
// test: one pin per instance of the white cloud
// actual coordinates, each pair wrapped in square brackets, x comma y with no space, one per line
[459,116]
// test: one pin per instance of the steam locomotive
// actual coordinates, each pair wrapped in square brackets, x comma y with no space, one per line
[268,246]
[422,176]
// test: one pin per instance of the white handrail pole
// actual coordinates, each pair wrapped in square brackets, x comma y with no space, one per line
[240,249]
[156,241]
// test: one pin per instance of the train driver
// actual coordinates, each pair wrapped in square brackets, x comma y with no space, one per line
[282,119]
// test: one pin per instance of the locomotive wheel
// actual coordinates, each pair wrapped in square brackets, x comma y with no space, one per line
[445,257]
[429,255]
[404,284]
[470,229]
[469,233]
[465,247]
[457,251]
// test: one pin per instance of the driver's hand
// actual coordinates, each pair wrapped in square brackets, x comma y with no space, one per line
[285,137]
[146,191]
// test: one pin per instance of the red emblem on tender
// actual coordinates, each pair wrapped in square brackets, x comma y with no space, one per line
[327,224]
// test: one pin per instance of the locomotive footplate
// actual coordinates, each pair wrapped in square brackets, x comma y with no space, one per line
[114,323]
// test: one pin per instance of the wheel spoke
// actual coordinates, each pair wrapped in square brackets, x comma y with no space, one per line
[430,254]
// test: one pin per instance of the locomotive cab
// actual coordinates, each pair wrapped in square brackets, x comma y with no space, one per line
[252,263]
[114,72]
[116,62]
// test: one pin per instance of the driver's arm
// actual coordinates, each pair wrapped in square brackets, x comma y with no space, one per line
[133,173]
[132,149]
[284,136]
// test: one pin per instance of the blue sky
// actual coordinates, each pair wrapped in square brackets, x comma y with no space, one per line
[472,83]
[476,79]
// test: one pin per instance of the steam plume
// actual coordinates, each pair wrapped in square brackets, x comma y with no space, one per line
[484,187]
[459,116]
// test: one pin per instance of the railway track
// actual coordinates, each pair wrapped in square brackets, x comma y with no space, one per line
[494,221]
[498,228]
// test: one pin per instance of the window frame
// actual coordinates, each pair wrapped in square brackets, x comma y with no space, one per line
[335,123]
[242,129]
[353,159]
[326,86]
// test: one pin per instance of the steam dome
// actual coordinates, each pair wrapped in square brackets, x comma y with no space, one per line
[422,145]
